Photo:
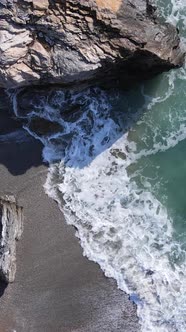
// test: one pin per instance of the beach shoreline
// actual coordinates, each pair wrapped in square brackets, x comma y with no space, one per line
[56,289]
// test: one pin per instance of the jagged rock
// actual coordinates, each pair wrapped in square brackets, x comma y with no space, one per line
[68,41]
[41,4]
[11,226]
[44,127]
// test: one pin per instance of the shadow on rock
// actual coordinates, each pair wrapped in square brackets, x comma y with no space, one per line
[3,286]
[19,151]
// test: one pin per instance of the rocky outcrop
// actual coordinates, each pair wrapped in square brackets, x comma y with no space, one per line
[11,225]
[68,41]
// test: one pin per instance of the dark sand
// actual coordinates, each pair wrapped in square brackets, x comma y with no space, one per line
[56,288]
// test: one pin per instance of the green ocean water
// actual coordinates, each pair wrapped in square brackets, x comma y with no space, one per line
[162,130]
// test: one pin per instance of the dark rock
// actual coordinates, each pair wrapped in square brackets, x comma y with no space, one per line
[28,101]
[44,127]
[60,100]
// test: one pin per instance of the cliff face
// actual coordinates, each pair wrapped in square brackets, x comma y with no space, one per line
[68,41]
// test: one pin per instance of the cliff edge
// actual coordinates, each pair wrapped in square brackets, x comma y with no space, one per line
[70,41]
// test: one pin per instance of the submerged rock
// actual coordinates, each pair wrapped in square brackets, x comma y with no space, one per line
[70,41]
[11,226]
[43,127]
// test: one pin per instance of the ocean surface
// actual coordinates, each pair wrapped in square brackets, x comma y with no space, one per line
[118,172]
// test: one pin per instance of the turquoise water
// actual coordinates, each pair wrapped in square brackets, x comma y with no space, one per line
[118,172]
[165,125]
[162,131]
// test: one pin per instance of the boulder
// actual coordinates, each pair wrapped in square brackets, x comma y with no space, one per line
[70,41]
[42,127]
[11,227]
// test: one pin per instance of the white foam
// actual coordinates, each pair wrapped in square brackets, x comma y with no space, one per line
[120,226]
[173,11]
[178,12]
[127,231]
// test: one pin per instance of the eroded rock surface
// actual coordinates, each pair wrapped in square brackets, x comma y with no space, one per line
[11,226]
[68,41]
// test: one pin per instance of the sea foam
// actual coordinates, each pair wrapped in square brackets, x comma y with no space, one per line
[121,225]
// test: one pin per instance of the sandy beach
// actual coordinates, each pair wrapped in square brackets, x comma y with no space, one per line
[56,289]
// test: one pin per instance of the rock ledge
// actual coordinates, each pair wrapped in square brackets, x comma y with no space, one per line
[70,41]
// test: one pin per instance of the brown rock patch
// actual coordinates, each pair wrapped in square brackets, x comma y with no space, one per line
[112,5]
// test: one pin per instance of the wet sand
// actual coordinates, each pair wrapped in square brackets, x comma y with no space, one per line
[56,288]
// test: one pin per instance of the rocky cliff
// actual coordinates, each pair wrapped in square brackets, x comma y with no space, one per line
[68,41]
[11,226]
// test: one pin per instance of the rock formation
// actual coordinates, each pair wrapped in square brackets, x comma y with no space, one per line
[11,225]
[68,41]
